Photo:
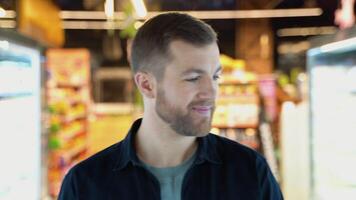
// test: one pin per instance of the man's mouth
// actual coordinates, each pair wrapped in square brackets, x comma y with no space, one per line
[203,110]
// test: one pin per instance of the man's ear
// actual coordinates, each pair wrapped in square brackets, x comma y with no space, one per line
[146,83]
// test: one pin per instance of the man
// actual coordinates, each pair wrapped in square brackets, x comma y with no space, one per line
[169,153]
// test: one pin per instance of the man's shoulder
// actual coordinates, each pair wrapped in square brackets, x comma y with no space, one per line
[91,175]
[232,150]
[100,161]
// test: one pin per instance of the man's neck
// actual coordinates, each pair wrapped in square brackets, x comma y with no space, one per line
[159,146]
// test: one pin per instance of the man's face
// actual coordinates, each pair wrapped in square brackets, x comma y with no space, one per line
[186,94]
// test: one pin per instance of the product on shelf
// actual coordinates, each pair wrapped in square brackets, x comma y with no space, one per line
[238,106]
[246,106]
[68,106]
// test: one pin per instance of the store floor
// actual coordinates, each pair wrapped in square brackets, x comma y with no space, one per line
[107,130]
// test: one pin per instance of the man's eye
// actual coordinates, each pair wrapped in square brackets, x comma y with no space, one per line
[216,77]
[192,79]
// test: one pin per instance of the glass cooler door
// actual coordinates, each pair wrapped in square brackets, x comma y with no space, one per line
[332,70]
[20,116]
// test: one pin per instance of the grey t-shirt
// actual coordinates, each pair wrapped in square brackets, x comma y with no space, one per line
[171,178]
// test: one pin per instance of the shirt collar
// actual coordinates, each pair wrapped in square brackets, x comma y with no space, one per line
[207,149]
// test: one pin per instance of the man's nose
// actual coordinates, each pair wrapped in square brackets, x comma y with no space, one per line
[208,89]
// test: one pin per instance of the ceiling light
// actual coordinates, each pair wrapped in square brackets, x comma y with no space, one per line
[251,14]
[220,14]
[306,31]
[109,9]
[140,8]
[2,12]
[93,25]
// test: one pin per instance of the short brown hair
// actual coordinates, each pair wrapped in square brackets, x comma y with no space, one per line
[150,47]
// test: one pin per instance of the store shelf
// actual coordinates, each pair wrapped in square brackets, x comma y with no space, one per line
[70,85]
[237,99]
[253,145]
[70,101]
[226,126]
[237,106]
[67,135]
[71,153]
[236,82]
[74,101]
[68,119]
[68,104]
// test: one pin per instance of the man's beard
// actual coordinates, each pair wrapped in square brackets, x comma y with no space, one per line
[184,124]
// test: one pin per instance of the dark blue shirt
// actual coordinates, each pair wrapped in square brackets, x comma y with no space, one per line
[223,169]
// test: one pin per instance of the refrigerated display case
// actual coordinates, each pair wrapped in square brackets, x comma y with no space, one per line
[20,118]
[332,69]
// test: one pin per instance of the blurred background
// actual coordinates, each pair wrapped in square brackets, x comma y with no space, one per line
[288,88]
